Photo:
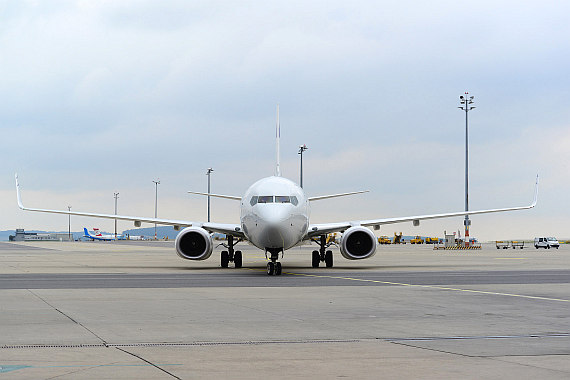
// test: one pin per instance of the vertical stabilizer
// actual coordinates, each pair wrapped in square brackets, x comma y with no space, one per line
[277,137]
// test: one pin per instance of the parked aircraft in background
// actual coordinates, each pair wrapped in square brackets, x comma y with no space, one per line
[96,235]
[138,237]
[275,217]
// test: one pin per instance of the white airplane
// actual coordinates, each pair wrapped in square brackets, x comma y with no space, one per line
[275,217]
[97,235]
[138,237]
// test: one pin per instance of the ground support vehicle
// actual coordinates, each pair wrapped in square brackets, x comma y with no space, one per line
[398,239]
[417,240]
[502,244]
[546,242]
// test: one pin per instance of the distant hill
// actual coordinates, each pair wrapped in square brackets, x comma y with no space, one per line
[4,234]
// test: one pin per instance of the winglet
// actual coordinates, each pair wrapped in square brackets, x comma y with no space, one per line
[535,193]
[18,194]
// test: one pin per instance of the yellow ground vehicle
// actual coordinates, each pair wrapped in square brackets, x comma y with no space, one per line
[384,240]
[417,240]
[332,238]
[397,238]
[432,240]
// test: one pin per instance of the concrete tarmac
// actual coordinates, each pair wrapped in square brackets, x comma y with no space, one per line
[115,310]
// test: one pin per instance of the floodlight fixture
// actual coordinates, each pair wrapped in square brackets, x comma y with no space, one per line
[302,148]
[156,183]
[208,172]
[116,195]
[466,107]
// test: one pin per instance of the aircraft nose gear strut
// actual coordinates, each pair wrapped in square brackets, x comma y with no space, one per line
[322,254]
[230,255]
[274,267]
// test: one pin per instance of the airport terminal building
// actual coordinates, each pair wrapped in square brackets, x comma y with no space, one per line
[38,236]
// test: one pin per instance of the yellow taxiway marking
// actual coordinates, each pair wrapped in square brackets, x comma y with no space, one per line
[510,258]
[432,287]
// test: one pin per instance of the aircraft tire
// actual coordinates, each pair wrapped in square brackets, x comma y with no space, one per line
[225,259]
[278,269]
[238,259]
[316,259]
[270,268]
[329,259]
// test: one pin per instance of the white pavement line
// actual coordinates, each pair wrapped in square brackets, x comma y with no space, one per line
[431,287]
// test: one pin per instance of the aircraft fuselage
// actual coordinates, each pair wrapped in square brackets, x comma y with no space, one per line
[274,214]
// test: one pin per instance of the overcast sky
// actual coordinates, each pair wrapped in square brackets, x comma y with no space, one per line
[98,97]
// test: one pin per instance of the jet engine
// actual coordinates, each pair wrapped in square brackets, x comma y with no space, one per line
[357,243]
[194,243]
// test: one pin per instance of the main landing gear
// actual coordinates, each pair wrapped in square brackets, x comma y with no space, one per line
[230,255]
[274,267]
[322,254]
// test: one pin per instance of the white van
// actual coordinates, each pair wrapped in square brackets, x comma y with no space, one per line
[546,242]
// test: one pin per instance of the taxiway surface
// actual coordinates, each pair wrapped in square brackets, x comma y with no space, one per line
[136,310]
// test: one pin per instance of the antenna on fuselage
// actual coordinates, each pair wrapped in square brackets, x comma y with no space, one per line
[277,137]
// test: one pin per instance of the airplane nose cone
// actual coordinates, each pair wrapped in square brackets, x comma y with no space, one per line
[275,221]
[274,214]
[273,237]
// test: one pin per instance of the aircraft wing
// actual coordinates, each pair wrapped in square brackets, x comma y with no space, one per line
[318,198]
[217,195]
[326,228]
[230,229]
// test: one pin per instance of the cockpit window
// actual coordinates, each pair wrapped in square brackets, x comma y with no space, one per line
[273,199]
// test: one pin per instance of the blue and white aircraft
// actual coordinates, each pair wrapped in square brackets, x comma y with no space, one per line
[275,217]
[96,235]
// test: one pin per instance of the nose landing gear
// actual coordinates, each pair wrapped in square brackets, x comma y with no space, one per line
[274,267]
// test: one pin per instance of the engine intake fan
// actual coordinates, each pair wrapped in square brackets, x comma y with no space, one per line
[357,243]
[194,243]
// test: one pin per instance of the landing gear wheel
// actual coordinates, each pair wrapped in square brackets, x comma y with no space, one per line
[329,259]
[316,259]
[225,259]
[270,268]
[278,269]
[238,259]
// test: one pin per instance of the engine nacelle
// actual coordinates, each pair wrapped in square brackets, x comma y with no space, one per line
[194,243]
[357,243]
